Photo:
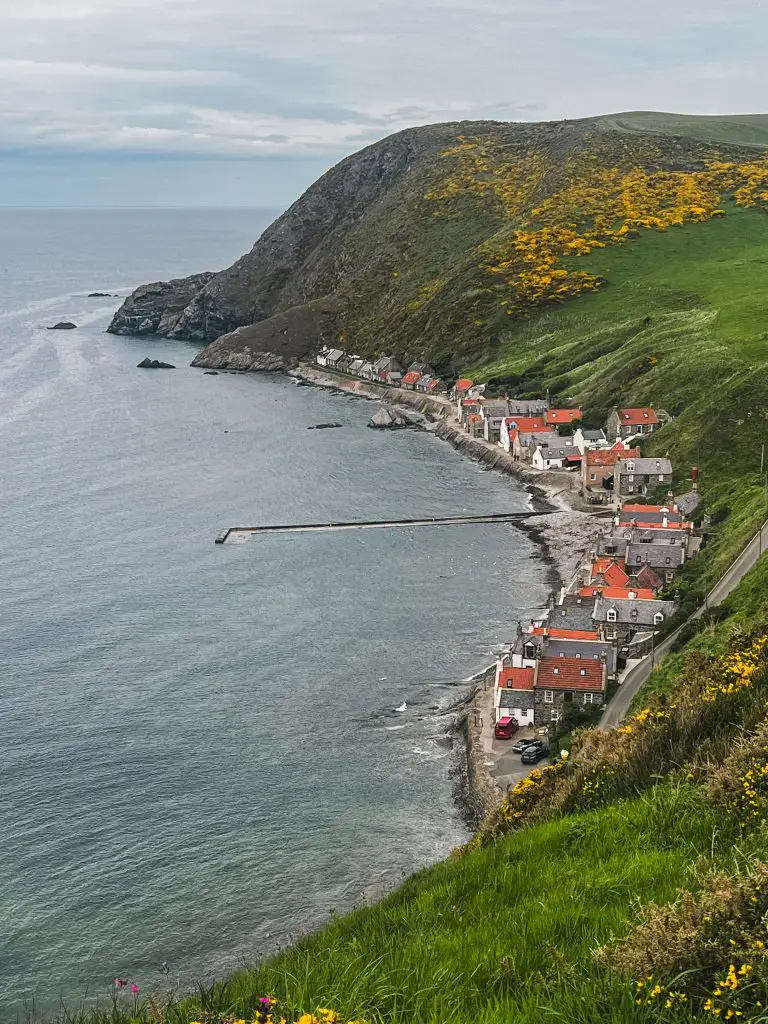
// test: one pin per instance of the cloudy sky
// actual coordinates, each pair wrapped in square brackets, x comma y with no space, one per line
[245,102]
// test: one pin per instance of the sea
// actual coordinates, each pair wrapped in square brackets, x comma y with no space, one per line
[206,750]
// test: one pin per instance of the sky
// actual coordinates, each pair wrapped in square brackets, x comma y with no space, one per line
[245,102]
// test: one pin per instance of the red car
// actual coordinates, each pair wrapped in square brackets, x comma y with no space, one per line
[506,728]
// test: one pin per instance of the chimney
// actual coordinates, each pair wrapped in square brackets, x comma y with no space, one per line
[519,629]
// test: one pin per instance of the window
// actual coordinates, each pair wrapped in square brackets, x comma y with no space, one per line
[611,616]
[592,476]
[596,657]
[549,696]
[582,671]
[630,467]
[509,684]
[568,696]
[554,715]
[562,654]
[631,479]
[591,698]
[578,655]
[633,613]
[667,560]
[638,559]
[658,618]
[669,576]
[630,489]
[661,478]
[556,671]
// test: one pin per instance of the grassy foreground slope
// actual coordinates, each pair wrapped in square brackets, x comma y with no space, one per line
[637,867]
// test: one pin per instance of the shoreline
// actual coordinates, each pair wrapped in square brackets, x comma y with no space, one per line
[559,534]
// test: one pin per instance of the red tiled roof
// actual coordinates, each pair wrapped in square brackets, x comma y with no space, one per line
[615,576]
[570,674]
[637,417]
[464,384]
[434,383]
[411,377]
[562,415]
[601,564]
[611,456]
[619,593]
[473,418]
[566,634]
[627,507]
[649,576]
[520,678]
[639,521]
[527,424]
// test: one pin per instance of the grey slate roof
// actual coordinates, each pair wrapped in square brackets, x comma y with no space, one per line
[527,406]
[523,699]
[593,435]
[572,616]
[658,556]
[653,467]
[494,410]
[688,502]
[334,355]
[555,452]
[635,612]
[526,440]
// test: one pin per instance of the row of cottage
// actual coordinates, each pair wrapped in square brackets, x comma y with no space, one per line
[616,602]
[621,594]
[609,466]
[386,370]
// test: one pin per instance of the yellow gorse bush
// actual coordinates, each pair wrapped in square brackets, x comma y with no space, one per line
[597,205]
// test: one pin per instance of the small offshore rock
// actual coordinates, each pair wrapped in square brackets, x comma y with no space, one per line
[154,364]
[101,295]
[325,426]
[63,325]
[390,419]
[210,373]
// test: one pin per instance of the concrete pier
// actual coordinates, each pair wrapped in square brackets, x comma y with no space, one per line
[240,533]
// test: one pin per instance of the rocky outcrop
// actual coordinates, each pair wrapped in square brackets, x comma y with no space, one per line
[157,308]
[154,364]
[390,418]
[64,325]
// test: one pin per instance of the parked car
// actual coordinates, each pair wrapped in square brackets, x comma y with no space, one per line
[532,755]
[505,728]
[520,746]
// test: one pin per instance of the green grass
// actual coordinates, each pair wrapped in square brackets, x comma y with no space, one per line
[501,934]
[682,323]
[731,129]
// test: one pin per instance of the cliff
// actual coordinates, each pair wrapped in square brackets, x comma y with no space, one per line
[405,246]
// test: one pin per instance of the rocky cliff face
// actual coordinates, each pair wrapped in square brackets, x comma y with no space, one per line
[157,308]
[390,250]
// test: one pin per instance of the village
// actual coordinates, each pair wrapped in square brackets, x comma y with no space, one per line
[562,667]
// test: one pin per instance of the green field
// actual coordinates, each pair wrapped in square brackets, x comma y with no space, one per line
[731,129]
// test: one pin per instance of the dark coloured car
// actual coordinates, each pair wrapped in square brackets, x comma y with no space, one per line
[532,755]
[520,746]
[505,728]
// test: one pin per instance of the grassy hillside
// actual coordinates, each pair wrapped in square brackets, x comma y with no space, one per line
[617,886]
[730,130]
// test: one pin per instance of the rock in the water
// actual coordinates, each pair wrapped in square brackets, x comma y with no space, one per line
[325,426]
[63,325]
[211,373]
[389,418]
[101,295]
[218,356]
[154,364]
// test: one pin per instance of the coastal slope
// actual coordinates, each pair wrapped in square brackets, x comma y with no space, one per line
[403,246]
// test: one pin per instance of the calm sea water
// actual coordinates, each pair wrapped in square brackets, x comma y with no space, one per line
[198,745]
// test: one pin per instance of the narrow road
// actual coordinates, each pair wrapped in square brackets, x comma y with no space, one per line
[636,676]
